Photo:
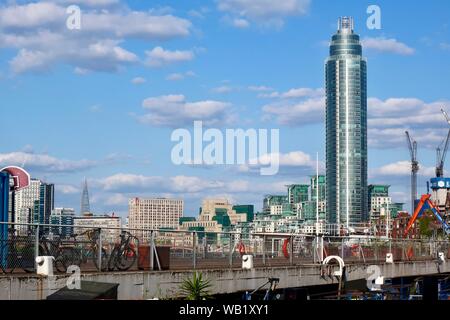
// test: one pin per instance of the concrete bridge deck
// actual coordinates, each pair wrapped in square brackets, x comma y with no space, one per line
[137,285]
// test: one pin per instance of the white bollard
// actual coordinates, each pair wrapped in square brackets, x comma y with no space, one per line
[389,258]
[247,262]
[44,265]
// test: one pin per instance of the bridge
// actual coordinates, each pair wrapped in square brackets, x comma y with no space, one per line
[297,260]
[138,285]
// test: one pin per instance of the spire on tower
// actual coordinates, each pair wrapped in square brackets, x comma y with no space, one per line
[85,207]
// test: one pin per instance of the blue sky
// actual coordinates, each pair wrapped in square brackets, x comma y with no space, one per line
[73,101]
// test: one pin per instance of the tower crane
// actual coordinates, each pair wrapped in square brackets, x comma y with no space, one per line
[412,145]
[440,156]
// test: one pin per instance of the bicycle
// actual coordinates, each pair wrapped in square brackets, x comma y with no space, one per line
[124,254]
[64,255]
[269,292]
[82,256]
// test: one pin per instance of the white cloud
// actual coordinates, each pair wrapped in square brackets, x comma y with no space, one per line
[240,23]
[296,93]
[265,12]
[180,76]
[174,110]
[260,88]
[189,186]
[159,57]
[222,89]
[382,44]
[38,32]
[44,162]
[401,168]
[89,3]
[309,111]
[387,119]
[138,80]
[67,189]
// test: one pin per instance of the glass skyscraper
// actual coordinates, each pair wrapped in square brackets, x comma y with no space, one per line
[346,128]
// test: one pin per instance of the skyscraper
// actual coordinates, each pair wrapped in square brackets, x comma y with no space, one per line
[85,207]
[346,128]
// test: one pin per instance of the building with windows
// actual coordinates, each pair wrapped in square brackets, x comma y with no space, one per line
[146,213]
[346,128]
[62,216]
[26,205]
[84,223]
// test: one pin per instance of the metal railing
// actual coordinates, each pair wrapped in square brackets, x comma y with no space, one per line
[122,249]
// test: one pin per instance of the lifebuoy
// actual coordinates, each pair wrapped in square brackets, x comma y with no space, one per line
[285,248]
[241,249]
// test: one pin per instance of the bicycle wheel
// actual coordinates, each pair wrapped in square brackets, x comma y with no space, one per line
[65,258]
[104,257]
[113,259]
[126,259]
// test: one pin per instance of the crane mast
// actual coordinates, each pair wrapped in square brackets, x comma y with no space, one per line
[412,146]
[440,156]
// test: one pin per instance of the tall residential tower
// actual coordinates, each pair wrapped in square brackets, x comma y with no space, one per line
[346,128]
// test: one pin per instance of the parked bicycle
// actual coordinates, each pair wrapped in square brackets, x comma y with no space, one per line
[83,251]
[124,255]
[64,254]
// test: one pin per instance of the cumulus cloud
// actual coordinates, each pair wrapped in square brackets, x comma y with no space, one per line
[44,162]
[265,12]
[260,88]
[240,23]
[174,110]
[294,161]
[67,189]
[305,112]
[38,32]
[190,185]
[387,119]
[401,168]
[180,76]
[138,80]
[382,44]
[222,89]
[159,57]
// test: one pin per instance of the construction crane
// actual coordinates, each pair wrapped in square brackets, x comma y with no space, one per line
[425,199]
[440,156]
[412,145]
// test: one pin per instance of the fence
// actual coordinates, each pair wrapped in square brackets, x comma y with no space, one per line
[119,249]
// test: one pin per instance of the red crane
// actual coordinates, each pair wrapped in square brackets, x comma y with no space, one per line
[425,199]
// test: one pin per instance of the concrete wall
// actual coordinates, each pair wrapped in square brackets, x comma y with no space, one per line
[147,285]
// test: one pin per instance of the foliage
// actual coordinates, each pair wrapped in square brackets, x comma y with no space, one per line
[424,224]
[196,288]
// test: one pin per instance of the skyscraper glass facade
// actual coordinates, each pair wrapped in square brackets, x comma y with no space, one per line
[346,128]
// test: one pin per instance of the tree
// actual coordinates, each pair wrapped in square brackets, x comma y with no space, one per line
[196,288]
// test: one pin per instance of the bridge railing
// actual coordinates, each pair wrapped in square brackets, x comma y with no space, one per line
[102,248]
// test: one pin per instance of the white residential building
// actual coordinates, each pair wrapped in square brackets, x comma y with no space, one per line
[154,213]
[24,201]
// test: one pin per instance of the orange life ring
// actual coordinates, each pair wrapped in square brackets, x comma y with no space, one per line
[285,248]
[241,249]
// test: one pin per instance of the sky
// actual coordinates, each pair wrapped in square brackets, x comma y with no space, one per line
[101,102]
